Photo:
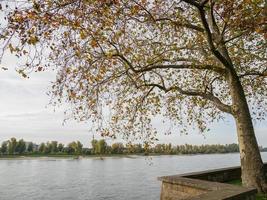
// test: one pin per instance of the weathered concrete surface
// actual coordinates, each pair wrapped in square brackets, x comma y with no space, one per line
[180,188]
[175,188]
[206,185]
[219,175]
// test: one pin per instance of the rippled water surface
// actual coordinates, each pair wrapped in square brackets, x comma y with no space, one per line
[94,179]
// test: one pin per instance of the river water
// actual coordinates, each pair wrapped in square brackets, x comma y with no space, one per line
[120,178]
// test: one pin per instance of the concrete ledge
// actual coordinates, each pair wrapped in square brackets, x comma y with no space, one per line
[179,188]
[219,175]
[206,185]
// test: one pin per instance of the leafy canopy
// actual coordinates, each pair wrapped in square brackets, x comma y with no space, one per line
[122,62]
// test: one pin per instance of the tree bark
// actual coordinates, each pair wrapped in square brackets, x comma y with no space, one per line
[252,167]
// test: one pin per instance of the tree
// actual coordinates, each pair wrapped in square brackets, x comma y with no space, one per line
[30,147]
[4,147]
[86,151]
[60,147]
[138,148]
[101,147]
[12,144]
[168,148]
[75,147]
[94,146]
[42,148]
[54,147]
[72,147]
[48,148]
[79,147]
[159,148]
[68,150]
[21,146]
[117,148]
[191,61]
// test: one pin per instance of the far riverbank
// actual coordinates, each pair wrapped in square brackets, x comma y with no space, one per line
[101,157]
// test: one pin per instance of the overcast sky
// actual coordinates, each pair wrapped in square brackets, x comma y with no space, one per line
[24,113]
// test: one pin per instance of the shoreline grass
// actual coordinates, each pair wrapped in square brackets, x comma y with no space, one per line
[239,183]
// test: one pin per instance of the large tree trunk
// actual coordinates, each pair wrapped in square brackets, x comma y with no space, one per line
[251,163]
[253,174]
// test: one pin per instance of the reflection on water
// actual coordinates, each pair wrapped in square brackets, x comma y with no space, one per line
[96,179]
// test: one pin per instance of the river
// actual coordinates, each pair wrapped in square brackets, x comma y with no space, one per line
[118,178]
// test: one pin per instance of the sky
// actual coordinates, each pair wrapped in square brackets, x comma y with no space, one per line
[25,113]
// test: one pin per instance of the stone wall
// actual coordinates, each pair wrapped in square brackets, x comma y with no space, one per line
[219,175]
[206,185]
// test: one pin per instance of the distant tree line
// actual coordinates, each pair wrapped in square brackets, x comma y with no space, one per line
[100,147]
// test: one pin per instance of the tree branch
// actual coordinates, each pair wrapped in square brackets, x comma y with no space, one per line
[261,74]
[208,96]
[171,66]
[203,2]
[187,25]
[193,3]
[214,50]
[185,66]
